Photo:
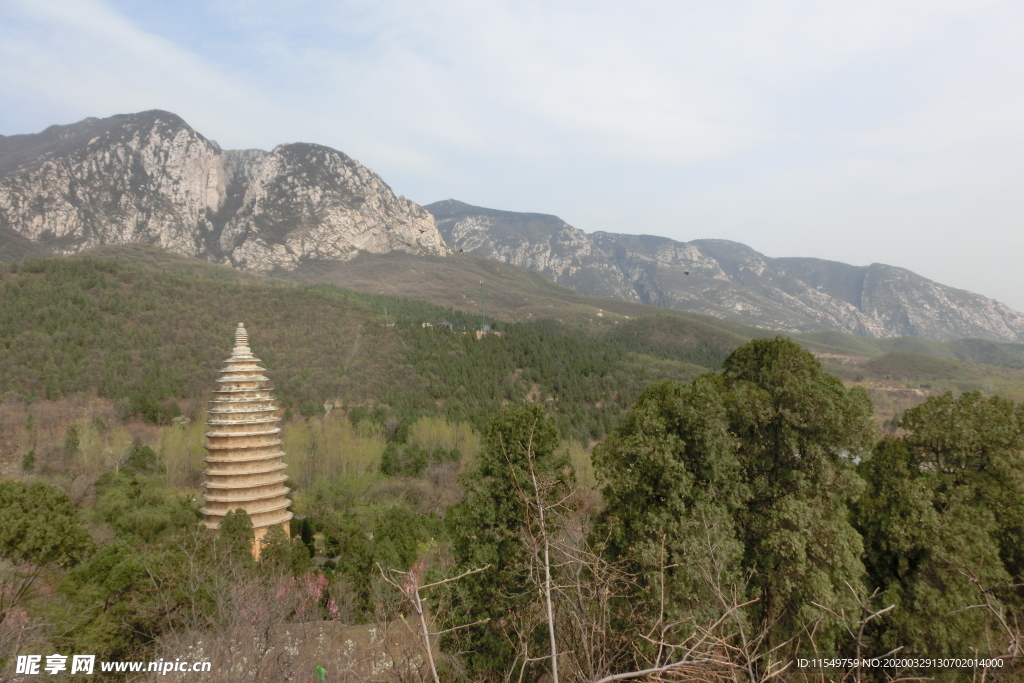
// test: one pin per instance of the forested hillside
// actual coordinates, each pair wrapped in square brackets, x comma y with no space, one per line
[152,339]
[147,329]
[660,492]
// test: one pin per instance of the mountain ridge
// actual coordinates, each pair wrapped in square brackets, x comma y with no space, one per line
[150,177]
[729,279]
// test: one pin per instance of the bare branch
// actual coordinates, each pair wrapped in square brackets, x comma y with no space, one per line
[674,666]
[455,578]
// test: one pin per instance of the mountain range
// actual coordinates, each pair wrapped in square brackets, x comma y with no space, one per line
[729,279]
[151,178]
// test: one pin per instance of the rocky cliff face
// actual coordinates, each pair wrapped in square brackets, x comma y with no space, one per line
[151,178]
[729,280]
[308,201]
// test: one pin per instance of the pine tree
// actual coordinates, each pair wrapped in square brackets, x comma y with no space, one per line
[487,529]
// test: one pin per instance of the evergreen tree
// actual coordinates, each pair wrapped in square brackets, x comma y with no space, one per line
[672,487]
[799,431]
[747,474]
[306,534]
[487,528]
[237,537]
[942,520]
[281,555]
[346,539]
[396,535]
[38,525]
[134,500]
[114,596]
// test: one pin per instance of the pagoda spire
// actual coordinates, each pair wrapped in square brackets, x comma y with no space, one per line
[243,464]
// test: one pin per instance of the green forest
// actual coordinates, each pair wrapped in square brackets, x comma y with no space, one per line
[656,499]
[150,339]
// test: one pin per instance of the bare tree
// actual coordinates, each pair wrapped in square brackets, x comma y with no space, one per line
[592,601]
[537,501]
[408,583]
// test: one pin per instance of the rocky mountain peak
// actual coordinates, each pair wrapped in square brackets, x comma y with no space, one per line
[311,201]
[150,177]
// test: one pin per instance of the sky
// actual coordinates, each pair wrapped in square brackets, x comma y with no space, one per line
[862,132]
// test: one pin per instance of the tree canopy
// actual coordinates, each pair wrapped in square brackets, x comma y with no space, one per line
[39,525]
[943,520]
[745,474]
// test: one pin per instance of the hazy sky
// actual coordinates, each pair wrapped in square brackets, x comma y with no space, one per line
[859,131]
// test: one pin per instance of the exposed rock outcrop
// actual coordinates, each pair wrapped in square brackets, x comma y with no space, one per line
[140,178]
[151,178]
[309,201]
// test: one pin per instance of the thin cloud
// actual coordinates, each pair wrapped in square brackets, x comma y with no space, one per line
[86,58]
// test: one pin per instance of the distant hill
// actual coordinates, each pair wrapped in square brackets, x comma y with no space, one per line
[728,280]
[897,371]
[509,292]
